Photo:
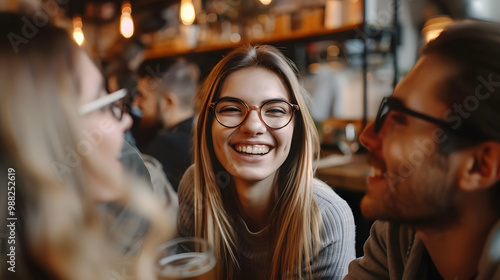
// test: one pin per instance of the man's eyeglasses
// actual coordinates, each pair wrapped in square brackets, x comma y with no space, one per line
[392,103]
[109,100]
[232,112]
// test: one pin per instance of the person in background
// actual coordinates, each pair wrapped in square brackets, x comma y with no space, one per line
[435,149]
[140,165]
[75,215]
[166,90]
[251,191]
[124,78]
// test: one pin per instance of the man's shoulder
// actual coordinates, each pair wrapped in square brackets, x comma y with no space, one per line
[393,232]
[174,136]
[489,265]
[183,128]
[390,249]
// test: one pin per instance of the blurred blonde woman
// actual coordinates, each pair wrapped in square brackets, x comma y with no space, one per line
[61,140]
[251,192]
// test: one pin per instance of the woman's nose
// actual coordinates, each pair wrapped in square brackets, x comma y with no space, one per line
[253,124]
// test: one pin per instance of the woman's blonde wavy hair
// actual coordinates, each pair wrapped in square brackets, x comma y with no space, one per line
[60,232]
[296,219]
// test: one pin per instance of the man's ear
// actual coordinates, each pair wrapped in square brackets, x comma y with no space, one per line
[168,101]
[481,168]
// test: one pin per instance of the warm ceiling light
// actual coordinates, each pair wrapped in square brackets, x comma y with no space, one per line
[266,2]
[187,12]
[77,30]
[126,22]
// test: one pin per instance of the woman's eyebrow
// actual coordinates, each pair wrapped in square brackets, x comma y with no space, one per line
[275,99]
[265,100]
[262,102]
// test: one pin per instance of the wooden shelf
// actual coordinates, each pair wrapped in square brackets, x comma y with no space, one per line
[306,35]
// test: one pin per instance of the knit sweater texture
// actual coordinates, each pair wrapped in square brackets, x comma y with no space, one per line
[255,249]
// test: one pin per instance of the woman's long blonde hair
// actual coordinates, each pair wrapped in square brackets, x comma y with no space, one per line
[296,219]
[60,230]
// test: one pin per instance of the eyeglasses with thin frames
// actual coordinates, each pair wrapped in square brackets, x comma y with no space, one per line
[393,103]
[109,100]
[232,112]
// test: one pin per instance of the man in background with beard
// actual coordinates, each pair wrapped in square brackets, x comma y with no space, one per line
[166,90]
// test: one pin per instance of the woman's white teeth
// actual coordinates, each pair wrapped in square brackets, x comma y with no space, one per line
[253,149]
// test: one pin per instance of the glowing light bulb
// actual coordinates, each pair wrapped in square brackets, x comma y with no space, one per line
[126,22]
[126,25]
[77,30]
[266,2]
[187,12]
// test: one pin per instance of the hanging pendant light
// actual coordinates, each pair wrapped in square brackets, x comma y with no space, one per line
[126,22]
[265,2]
[187,12]
[77,30]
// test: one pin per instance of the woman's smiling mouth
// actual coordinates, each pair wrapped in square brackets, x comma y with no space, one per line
[252,149]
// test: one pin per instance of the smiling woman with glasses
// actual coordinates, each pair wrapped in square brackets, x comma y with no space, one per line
[251,192]
[76,216]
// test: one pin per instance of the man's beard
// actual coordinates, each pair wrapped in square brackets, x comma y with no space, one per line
[425,198]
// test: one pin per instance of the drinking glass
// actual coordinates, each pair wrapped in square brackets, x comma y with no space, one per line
[348,140]
[186,258]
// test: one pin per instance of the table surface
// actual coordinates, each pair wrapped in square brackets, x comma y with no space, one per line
[350,176]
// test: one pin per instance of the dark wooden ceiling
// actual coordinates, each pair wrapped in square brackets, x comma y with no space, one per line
[146,13]
[82,7]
